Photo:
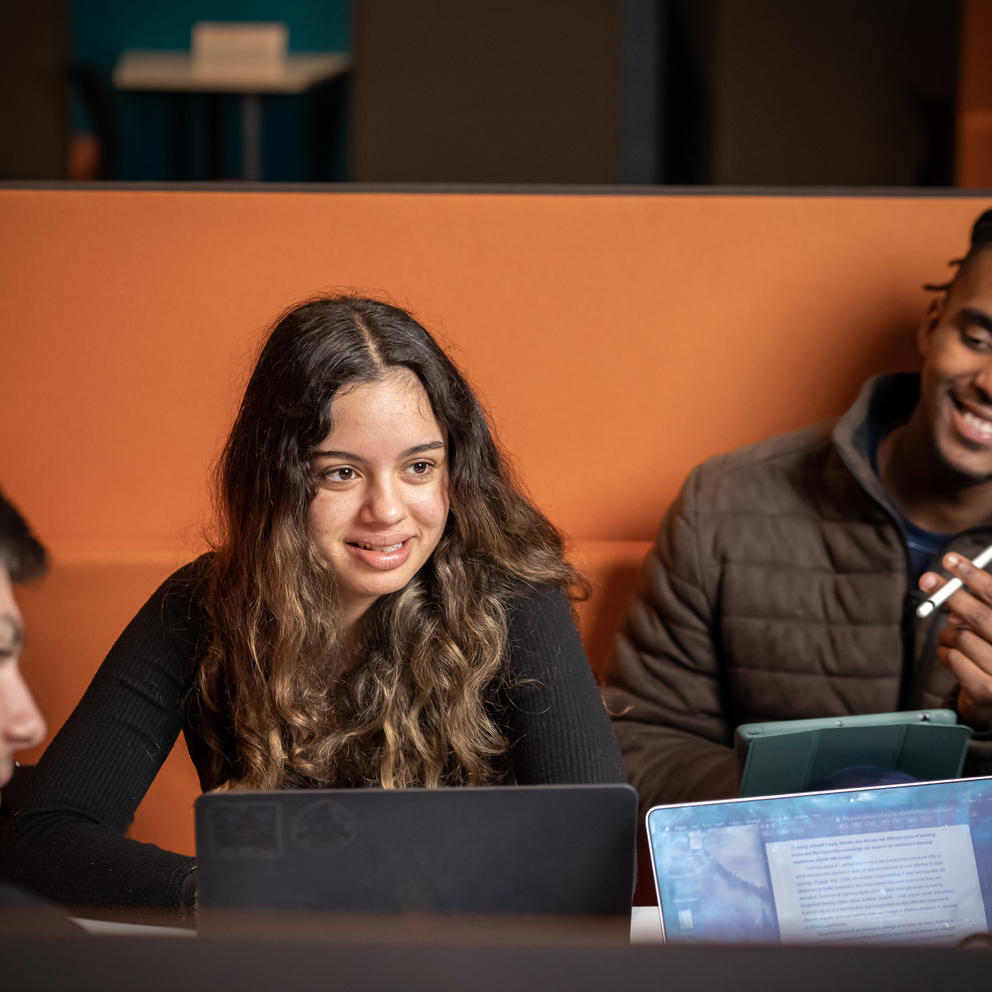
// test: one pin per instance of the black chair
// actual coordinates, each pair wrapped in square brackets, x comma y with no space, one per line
[98,104]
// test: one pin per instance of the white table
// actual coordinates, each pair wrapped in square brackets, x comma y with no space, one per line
[645,927]
[177,72]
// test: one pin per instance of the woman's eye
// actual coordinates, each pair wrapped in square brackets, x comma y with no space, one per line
[343,473]
[420,468]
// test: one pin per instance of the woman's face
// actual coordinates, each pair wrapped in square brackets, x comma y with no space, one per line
[382,497]
[21,724]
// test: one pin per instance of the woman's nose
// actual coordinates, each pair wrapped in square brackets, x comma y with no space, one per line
[384,504]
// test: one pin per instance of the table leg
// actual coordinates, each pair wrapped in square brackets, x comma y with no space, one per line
[251,137]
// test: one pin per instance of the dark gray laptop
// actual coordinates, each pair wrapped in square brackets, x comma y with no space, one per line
[565,850]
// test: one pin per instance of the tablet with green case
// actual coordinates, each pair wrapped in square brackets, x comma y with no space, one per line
[797,755]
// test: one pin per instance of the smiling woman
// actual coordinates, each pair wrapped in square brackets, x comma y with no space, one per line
[382,500]
[383,608]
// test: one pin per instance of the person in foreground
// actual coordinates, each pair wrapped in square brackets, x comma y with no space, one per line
[383,608]
[22,559]
[782,584]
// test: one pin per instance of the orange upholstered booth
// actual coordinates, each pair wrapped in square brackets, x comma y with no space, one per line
[617,340]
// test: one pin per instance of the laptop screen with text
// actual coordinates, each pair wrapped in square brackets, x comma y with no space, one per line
[896,863]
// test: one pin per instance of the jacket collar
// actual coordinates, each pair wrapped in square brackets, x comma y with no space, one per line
[884,402]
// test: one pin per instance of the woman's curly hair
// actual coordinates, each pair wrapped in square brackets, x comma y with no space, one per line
[275,702]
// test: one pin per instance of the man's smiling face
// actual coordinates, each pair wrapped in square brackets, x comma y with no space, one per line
[956,379]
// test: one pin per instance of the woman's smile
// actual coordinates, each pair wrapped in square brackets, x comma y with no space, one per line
[382,556]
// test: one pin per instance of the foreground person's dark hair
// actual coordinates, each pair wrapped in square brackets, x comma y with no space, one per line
[20,551]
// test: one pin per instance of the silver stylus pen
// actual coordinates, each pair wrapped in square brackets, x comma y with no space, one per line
[949,588]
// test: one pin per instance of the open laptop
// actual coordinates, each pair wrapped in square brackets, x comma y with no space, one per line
[895,863]
[565,850]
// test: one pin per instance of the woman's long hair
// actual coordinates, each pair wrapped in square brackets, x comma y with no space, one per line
[276,704]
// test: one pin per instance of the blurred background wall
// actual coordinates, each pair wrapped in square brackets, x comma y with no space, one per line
[739,92]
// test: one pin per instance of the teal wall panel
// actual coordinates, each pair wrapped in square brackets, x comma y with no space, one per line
[169,136]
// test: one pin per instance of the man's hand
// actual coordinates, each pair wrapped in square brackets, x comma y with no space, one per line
[964,646]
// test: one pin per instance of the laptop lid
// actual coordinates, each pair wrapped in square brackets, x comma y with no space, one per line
[550,849]
[895,863]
